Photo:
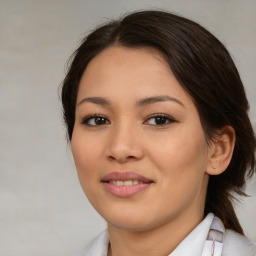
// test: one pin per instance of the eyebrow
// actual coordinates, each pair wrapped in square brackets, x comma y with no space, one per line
[155,99]
[95,100]
[139,103]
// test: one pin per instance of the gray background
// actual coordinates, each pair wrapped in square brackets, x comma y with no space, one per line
[43,210]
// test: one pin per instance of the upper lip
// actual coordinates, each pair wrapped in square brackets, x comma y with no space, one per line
[123,176]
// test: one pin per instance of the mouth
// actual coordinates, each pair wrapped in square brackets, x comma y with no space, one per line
[125,184]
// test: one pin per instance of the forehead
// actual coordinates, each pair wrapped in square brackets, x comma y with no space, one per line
[121,51]
[122,71]
[119,57]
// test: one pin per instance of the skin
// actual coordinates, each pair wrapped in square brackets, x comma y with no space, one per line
[174,155]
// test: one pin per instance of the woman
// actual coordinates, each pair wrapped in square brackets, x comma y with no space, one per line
[156,115]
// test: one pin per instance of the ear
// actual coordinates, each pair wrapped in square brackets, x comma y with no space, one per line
[221,151]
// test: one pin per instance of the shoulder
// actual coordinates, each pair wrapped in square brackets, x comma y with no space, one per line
[98,246]
[235,244]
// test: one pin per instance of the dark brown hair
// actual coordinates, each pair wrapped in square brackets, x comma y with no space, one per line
[204,68]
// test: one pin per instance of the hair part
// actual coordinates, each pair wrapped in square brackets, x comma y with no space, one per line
[204,69]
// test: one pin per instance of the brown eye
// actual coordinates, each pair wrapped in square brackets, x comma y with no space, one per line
[160,120]
[95,120]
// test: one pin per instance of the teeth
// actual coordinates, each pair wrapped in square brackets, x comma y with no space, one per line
[128,183]
[124,183]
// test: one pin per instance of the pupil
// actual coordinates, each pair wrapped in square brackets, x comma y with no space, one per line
[160,120]
[100,120]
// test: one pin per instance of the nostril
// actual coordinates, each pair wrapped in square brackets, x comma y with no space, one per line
[122,151]
[111,158]
[120,158]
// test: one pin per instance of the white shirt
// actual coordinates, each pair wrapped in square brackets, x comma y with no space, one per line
[234,244]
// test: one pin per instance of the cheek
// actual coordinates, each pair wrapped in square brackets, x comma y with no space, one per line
[86,157]
[181,159]
[181,165]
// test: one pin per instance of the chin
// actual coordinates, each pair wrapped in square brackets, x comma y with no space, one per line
[130,226]
[128,221]
[134,222]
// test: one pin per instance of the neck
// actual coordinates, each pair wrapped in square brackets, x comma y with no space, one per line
[154,241]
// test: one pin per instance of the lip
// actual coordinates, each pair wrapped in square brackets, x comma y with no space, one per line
[125,190]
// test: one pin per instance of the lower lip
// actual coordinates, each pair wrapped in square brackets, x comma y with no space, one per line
[125,191]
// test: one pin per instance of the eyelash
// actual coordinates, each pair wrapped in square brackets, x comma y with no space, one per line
[88,118]
[166,117]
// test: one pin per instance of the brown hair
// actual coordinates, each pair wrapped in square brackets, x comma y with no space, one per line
[204,68]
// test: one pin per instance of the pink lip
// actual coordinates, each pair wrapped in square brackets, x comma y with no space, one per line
[125,190]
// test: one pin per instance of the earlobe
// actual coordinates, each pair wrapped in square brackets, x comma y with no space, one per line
[221,151]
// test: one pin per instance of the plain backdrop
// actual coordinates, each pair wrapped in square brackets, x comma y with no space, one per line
[43,210]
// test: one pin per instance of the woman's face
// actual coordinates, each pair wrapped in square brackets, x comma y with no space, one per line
[138,144]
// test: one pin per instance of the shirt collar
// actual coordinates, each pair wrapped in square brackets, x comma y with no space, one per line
[193,244]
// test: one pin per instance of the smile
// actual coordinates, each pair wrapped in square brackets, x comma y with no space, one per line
[125,184]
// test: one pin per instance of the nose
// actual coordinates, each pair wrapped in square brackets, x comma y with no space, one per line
[125,144]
